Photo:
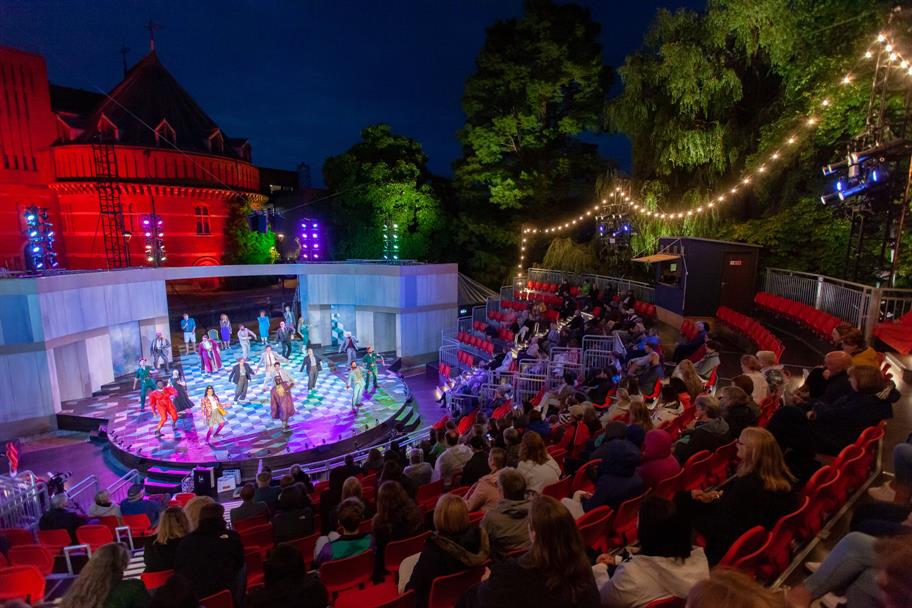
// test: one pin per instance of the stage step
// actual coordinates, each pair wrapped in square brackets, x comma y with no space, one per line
[167,474]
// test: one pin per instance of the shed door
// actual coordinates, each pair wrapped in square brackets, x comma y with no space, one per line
[737,287]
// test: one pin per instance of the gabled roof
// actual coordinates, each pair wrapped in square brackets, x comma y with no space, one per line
[74,101]
[148,94]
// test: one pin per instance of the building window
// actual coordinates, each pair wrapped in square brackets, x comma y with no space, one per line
[107,130]
[202,220]
[164,133]
[217,142]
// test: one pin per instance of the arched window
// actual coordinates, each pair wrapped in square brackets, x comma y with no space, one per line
[202,220]
[165,133]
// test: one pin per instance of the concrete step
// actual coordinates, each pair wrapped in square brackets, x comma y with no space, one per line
[154,486]
[168,474]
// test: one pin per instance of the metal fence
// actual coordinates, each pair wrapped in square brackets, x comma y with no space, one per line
[506,292]
[82,494]
[447,354]
[558,369]
[595,359]
[480,313]
[526,386]
[610,343]
[464,323]
[642,291]
[118,490]
[23,499]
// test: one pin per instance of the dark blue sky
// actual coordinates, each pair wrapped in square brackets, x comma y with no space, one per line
[301,78]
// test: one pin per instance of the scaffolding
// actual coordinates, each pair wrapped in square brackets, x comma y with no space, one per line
[110,207]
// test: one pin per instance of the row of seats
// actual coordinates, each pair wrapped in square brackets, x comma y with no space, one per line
[465,358]
[550,300]
[501,317]
[481,344]
[759,335]
[503,333]
[542,286]
[514,305]
[818,321]
[689,329]
[645,309]
[445,370]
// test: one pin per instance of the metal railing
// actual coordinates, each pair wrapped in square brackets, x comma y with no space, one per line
[23,499]
[118,490]
[82,494]
[642,291]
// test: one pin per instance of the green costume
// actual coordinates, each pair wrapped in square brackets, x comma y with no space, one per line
[304,330]
[370,369]
[146,384]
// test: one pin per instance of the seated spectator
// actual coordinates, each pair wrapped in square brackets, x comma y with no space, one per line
[600,385]
[686,371]
[176,592]
[451,461]
[557,398]
[331,498]
[667,407]
[732,589]
[738,409]
[760,494]
[538,424]
[657,462]
[59,517]
[394,452]
[506,522]
[397,518]
[211,557]
[134,504]
[827,383]
[710,430]
[159,555]
[686,347]
[617,480]
[554,572]
[665,566]
[751,367]
[644,367]
[393,472]
[773,372]
[710,360]
[266,492]
[249,508]
[628,391]
[792,430]
[454,546]
[854,345]
[576,430]
[294,515]
[486,491]
[193,507]
[103,507]
[511,445]
[102,584]
[637,347]
[349,541]
[477,465]
[374,462]
[900,490]
[350,468]
[418,471]
[640,415]
[536,464]
[286,583]
[301,476]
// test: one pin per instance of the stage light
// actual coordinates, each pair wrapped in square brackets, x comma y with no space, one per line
[155,238]
[40,236]
[310,238]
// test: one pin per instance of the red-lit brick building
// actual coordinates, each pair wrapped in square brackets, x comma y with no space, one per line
[47,134]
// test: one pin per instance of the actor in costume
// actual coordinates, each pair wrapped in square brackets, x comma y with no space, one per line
[146,384]
[370,366]
[160,400]
[210,357]
[313,367]
[268,360]
[188,326]
[288,316]
[213,411]
[350,347]
[356,384]
[280,401]
[160,349]
[263,322]
[182,401]
[244,337]
[304,330]
[240,375]
[283,336]
[225,330]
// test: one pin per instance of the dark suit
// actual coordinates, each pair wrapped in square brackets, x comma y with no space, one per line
[240,390]
[312,371]
[284,337]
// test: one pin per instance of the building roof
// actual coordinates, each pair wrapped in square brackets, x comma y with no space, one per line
[147,95]
[74,101]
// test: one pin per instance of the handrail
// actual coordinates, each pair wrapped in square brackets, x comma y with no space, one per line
[79,488]
[824,277]
[23,500]
[125,481]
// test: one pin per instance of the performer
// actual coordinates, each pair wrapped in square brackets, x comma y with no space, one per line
[289,318]
[263,321]
[240,375]
[213,411]
[160,400]
[146,384]
[304,330]
[188,326]
[356,384]
[370,366]
[267,361]
[280,401]
[283,337]
[182,401]
[160,349]
[210,357]
[244,336]
[225,330]
[350,347]
[313,366]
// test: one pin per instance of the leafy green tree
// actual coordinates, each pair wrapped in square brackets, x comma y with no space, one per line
[382,178]
[243,245]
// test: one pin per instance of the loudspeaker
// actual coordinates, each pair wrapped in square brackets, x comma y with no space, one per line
[204,481]
[396,366]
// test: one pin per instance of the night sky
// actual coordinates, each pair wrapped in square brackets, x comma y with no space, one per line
[300,79]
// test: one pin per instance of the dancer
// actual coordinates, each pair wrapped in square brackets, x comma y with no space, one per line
[313,366]
[350,347]
[160,349]
[263,322]
[210,357]
[225,330]
[370,366]
[304,331]
[182,400]
[356,384]
[244,336]
[283,336]
[280,401]
[289,318]
[144,377]
[240,375]
[213,411]
[188,326]
[160,400]
[267,361]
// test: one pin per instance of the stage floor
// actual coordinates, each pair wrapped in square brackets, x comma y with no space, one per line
[323,417]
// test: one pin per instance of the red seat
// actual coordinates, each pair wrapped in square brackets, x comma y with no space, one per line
[222,599]
[398,550]
[582,480]
[446,590]
[306,546]
[374,596]
[667,488]
[594,527]
[341,574]
[747,544]
[183,498]
[778,551]
[154,580]
[253,559]
[94,536]
[720,463]
[624,526]
[22,583]
[667,602]
[243,525]
[559,489]
[54,540]
[695,471]
[32,555]
[823,501]
[3,562]
[427,494]
[140,524]
[17,536]
[258,536]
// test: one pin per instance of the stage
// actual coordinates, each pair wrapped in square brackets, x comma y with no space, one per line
[323,425]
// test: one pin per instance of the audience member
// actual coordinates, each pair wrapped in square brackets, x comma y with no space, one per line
[349,541]
[686,371]
[854,345]
[350,468]
[418,471]
[752,368]
[900,491]
[294,516]
[738,409]
[374,462]
[511,445]
[686,347]
[536,464]
[640,415]
[486,492]
[249,508]
[176,592]
[792,430]
[103,507]
[710,430]
[393,472]
[451,461]
[193,507]
[773,372]
[286,583]
[617,480]
[477,465]
[397,518]
[331,498]
[59,517]
[506,522]
[667,407]
[657,462]
[827,383]
[538,424]
[211,557]
[710,360]
[301,476]
[266,492]
[160,554]
[101,584]
[727,588]
[628,392]
[135,504]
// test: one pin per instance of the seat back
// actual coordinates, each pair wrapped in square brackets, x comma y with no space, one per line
[341,574]
[306,546]
[17,536]
[154,580]
[55,540]
[406,600]
[593,527]
[427,493]
[398,550]
[747,544]
[583,480]
[184,497]
[624,526]
[778,551]
[695,471]
[720,463]
[247,523]
[667,488]
[32,555]
[667,602]
[253,560]
[22,582]
[140,524]
[94,535]
[559,489]
[258,536]
[222,599]
[446,590]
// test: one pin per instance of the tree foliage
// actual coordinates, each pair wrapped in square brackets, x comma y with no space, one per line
[243,245]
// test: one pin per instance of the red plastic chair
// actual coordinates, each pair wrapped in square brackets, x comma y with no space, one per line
[242,525]
[559,489]
[375,596]
[94,536]
[778,551]
[582,480]
[258,536]
[306,546]
[253,559]
[32,555]
[398,550]
[667,488]
[696,470]
[594,527]
[747,544]
[21,583]
[624,527]
[3,562]
[720,464]
[222,599]
[17,536]
[366,526]
[823,502]
[183,498]
[341,574]
[427,494]
[140,524]
[446,590]
[154,580]
[54,540]
[667,602]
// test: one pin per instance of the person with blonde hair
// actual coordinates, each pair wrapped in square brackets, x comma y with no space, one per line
[535,463]
[103,507]
[101,583]
[732,589]
[686,371]
[192,510]
[172,528]
[752,368]
[640,415]
[761,493]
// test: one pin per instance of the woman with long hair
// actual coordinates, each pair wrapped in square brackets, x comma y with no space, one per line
[172,527]
[535,463]
[628,392]
[686,371]
[397,518]
[182,402]
[225,330]
[192,510]
[640,415]
[554,572]
[101,582]
[213,411]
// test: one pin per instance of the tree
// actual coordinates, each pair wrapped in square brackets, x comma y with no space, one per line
[382,178]
[539,82]
[243,245]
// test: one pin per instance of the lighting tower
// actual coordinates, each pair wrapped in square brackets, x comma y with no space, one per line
[391,241]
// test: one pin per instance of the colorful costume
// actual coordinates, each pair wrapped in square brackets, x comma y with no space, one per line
[214,414]
[304,330]
[225,327]
[370,368]
[145,385]
[160,400]
[356,382]
[267,361]
[182,400]
[263,321]
[280,401]
[210,357]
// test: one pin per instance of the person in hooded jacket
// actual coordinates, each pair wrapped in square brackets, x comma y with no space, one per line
[617,481]
[657,462]
[507,522]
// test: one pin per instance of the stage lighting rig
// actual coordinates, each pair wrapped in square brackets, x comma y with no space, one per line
[154,231]
[313,248]
[40,237]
